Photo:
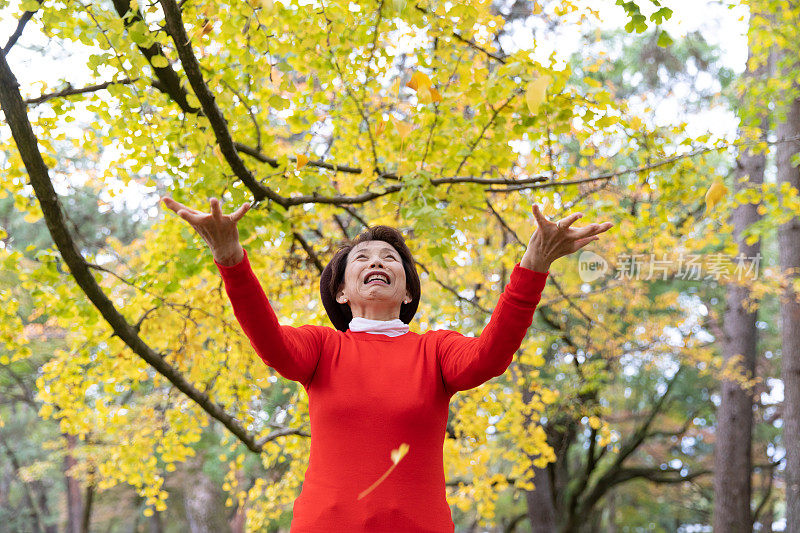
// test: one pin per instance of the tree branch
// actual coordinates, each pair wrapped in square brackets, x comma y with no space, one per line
[170,82]
[23,20]
[14,108]
[69,90]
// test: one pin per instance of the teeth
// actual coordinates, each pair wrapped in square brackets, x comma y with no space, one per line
[378,277]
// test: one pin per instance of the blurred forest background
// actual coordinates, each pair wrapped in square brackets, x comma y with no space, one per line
[658,388]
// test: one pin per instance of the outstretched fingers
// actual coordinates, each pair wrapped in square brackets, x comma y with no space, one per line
[593,229]
[580,243]
[177,206]
[216,212]
[191,217]
[541,220]
[239,213]
[567,221]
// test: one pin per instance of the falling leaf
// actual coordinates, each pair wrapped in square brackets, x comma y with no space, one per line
[399,453]
[715,193]
[208,27]
[419,81]
[396,456]
[379,127]
[535,93]
[302,159]
[402,128]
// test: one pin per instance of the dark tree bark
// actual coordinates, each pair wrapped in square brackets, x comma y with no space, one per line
[541,508]
[541,503]
[789,258]
[73,490]
[205,509]
[732,454]
[86,517]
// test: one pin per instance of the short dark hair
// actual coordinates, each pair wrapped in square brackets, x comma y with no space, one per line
[333,275]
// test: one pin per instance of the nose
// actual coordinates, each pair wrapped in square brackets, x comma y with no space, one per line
[376,263]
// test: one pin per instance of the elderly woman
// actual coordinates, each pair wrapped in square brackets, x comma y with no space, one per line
[372,384]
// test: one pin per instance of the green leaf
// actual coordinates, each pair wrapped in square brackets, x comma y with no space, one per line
[664,40]
[29,5]
[159,62]
[661,15]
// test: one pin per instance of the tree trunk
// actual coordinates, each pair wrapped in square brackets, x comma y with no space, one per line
[732,454]
[540,500]
[205,509]
[73,486]
[155,524]
[541,508]
[789,258]
[86,517]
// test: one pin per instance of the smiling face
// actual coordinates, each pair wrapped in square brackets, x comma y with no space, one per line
[374,283]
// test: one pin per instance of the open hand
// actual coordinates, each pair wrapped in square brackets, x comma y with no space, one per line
[552,240]
[218,230]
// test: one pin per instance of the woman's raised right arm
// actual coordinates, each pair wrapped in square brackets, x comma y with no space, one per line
[293,352]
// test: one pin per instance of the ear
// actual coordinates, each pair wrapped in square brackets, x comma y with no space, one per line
[408,297]
[340,294]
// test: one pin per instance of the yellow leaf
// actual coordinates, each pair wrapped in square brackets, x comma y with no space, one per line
[379,127]
[715,193]
[399,453]
[535,93]
[761,210]
[424,96]
[402,128]
[302,159]
[419,81]
[208,27]
[267,6]
[594,422]
[435,96]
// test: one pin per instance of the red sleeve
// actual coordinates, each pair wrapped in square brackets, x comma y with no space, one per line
[293,351]
[467,362]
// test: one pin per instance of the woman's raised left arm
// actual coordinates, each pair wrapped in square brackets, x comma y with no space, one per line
[467,362]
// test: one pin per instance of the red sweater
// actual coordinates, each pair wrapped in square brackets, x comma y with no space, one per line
[368,393]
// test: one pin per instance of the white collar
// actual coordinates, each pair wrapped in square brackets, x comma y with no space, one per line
[392,328]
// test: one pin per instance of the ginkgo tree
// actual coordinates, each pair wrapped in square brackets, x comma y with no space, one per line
[330,117]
